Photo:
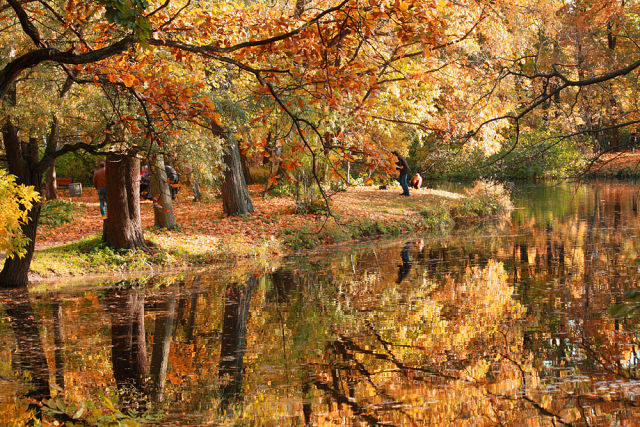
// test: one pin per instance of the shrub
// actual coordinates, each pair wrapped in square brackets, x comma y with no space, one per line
[58,212]
[301,238]
[537,155]
[484,199]
[337,234]
[315,206]
[436,219]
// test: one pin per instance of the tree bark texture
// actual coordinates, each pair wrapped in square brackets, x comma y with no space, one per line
[51,183]
[235,195]
[22,161]
[50,174]
[162,204]
[123,227]
[246,170]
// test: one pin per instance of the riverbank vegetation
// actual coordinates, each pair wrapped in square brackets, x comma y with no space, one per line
[206,235]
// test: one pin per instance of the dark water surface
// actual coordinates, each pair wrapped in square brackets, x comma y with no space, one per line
[503,325]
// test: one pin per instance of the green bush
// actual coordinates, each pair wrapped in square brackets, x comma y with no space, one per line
[337,186]
[484,199]
[300,238]
[537,155]
[283,188]
[368,228]
[337,234]
[315,206]
[436,219]
[57,212]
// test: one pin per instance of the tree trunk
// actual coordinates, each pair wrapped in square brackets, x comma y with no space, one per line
[123,227]
[162,204]
[51,190]
[193,182]
[246,171]
[162,346]
[22,161]
[50,174]
[235,196]
[299,8]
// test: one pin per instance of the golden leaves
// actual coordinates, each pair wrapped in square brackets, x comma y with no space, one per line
[16,201]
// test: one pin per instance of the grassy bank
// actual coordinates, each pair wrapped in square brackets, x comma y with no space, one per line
[206,236]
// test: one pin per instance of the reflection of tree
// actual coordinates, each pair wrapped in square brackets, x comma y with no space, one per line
[56,309]
[162,346]
[283,281]
[192,318]
[237,300]
[125,306]
[29,357]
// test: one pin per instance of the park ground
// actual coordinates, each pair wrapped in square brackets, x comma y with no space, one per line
[622,164]
[205,235]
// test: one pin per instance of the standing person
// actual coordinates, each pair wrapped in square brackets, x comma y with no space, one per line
[100,182]
[405,170]
[172,177]
[145,182]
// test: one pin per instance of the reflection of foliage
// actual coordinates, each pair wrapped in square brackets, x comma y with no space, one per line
[629,307]
[102,412]
[451,344]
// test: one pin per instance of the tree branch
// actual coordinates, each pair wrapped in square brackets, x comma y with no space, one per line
[13,69]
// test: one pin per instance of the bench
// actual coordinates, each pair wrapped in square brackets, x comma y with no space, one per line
[63,182]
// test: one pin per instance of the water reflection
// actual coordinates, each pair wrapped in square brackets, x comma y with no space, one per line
[496,326]
[237,301]
[405,268]
[27,357]
[125,306]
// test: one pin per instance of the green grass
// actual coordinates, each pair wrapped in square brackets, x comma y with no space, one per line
[92,255]
[309,237]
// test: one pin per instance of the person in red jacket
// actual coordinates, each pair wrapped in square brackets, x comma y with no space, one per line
[100,182]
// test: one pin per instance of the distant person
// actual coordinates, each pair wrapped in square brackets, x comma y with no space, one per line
[416,181]
[172,177]
[405,170]
[145,182]
[633,140]
[100,182]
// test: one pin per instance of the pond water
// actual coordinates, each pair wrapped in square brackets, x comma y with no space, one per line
[504,324]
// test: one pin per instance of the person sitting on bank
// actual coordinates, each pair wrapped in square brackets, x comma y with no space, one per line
[100,182]
[416,181]
[405,170]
